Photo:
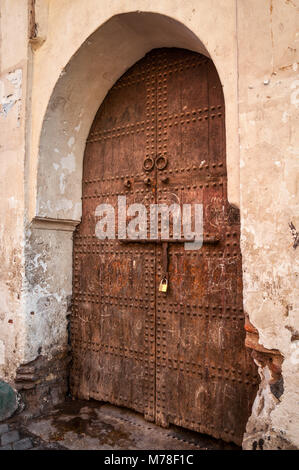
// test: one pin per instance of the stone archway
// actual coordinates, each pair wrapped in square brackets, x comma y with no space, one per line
[100,61]
[55,208]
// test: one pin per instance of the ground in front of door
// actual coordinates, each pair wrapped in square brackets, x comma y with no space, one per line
[91,425]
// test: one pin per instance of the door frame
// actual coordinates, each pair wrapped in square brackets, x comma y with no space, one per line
[54,213]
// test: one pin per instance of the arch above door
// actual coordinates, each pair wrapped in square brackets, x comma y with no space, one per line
[55,169]
[81,87]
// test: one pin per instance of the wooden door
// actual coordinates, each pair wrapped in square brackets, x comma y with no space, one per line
[177,357]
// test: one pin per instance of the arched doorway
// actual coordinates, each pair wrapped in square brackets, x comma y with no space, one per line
[176,356]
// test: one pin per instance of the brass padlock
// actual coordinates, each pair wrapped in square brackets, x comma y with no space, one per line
[163,285]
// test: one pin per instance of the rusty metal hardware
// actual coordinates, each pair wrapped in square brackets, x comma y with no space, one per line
[165,242]
[148,163]
[210,240]
[147,181]
[127,184]
[161,162]
[163,285]
[165,262]
[165,179]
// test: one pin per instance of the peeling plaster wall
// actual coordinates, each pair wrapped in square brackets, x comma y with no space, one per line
[78,54]
[268,43]
[48,291]
[13,74]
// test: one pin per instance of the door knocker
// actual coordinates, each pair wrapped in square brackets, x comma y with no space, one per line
[148,164]
[161,162]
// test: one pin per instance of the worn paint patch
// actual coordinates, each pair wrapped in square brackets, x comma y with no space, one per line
[62,183]
[77,211]
[71,141]
[48,289]
[64,204]
[69,162]
[11,92]
[2,353]
[295,93]
[13,203]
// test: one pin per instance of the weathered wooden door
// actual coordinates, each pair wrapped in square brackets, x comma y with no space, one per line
[177,357]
